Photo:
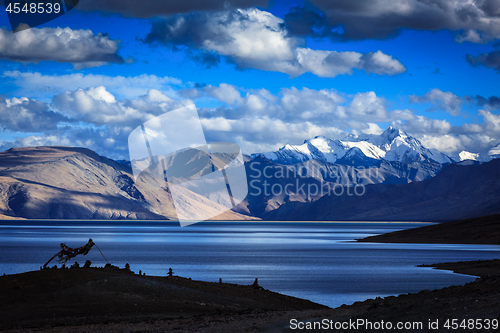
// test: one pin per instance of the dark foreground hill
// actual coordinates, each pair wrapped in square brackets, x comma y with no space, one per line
[83,296]
[112,300]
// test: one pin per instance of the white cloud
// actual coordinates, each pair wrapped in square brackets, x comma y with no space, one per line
[257,39]
[28,115]
[110,141]
[256,119]
[368,107]
[492,121]
[121,86]
[253,36]
[225,93]
[264,132]
[97,106]
[446,101]
[82,48]
[291,104]
[372,129]
[381,63]
[331,63]
[447,144]
[311,105]
[421,125]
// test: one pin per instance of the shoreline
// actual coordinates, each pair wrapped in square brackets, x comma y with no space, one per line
[479,268]
[13,219]
[481,230]
[196,314]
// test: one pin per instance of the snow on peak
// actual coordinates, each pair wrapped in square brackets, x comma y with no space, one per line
[367,148]
[465,155]
[391,133]
[392,145]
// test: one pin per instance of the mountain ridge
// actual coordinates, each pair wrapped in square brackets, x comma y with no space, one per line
[67,183]
[391,145]
[457,192]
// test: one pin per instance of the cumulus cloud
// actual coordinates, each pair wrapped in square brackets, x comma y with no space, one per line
[294,114]
[36,140]
[91,118]
[373,129]
[226,93]
[28,115]
[325,112]
[257,39]
[291,104]
[81,48]
[122,86]
[491,122]
[368,107]
[98,106]
[256,119]
[448,144]
[423,125]
[440,100]
[319,106]
[476,21]
[109,141]
[331,63]
[491,60]
[151,8]
[440,134]
[260,134]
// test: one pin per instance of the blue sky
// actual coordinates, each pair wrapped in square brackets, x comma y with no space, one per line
[261,74]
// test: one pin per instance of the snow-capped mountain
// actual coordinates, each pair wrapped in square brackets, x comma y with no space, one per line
[466,155]
[321,148]
[392,145]
[492,153]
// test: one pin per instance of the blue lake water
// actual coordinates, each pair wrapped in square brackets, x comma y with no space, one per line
[315,261]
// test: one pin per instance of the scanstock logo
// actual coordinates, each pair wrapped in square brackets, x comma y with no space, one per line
[26,14]
[203,180]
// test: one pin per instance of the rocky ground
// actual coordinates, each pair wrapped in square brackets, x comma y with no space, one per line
[117,300]
[54,299]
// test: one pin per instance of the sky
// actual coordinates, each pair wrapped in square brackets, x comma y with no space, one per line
[261,74]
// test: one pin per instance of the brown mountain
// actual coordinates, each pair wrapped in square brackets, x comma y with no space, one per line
[77,183]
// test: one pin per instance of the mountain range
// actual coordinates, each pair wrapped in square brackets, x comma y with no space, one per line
[364,150]
[400,179]
[459,191]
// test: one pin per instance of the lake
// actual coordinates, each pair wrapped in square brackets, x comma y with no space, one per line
[316,261]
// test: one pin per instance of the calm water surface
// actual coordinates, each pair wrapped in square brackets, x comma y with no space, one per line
[315,261]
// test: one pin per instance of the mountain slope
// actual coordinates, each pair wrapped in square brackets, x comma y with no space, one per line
[271,185]
[76,183]
[457,192]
